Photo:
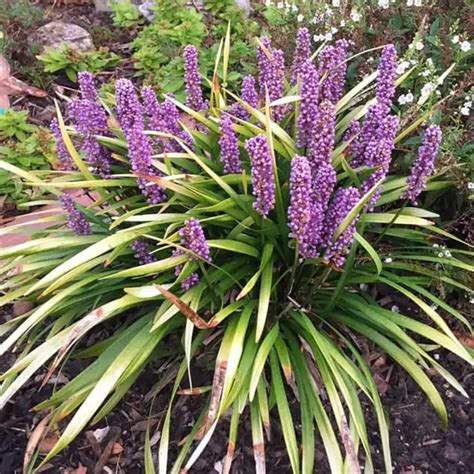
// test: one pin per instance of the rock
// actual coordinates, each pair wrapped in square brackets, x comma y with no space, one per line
[244,5]
[56,33]
[147,9]
[102,6]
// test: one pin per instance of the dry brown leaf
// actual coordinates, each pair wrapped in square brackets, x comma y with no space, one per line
[33,441]
[117,448]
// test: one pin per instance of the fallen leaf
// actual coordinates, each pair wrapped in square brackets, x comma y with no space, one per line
[117,448]
[47,444]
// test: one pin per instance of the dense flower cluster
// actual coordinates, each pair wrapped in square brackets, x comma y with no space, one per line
[129,109]
[387,74]
[302,53]
[249,95]
[308,112]
[333,66]
[229,143]
[61,150]
[192,79]
[321,145]
[342,204]
[87,86]
[271,74]
[152,108]
[263,181]
[142,252]
[424,164]
[76,220]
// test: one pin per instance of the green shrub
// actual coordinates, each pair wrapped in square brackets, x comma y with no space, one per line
[125,13]
[280,321]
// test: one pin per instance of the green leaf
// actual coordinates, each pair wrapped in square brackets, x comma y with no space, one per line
[264,298]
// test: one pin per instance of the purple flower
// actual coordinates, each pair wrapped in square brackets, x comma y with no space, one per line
[333,67]
[387,74]
[302,53]
[87,86]
[170,124]
[129,109]
[352,134]
[90,120]
[344,201]
[423,166]
[263,181]
[190,281]
[308,113]
[272,75]
[61,150]
[378,153]
[152,109]
[248,95]
[192,78]
[321,145]
[229,143]
[323,184]
[193,239]
[76,220]
[142,252]
[300,210]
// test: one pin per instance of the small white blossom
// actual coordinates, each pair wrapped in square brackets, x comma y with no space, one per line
[447,254]
[395,308]
[300,18]
[419,45]
[342,24]
[410,3]
[388,260]
[468,103]
[280,5]
[471,301]
[427,89]
[436,356]
[438,93]
[455,39]
[429,61]
[384,3]
[425,73]
[355,16]
[435,246]
[363,287]
[412,62]
[333,30]
[465,46]
[402,67]
[294,8]
[470,186]
[465,111]
[417,3]
[328,36]
[336,3]
[441,255]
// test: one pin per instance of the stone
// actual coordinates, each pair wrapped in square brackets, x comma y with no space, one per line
[56,33]
[244,5]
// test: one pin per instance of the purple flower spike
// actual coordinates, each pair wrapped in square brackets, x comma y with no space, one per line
[61,150]
[300,211]
[321,145]
[192,78]
[76,220]
[90,120]
[193,239]
[387,74]
[142,252]
[272,75]
[87,86]
[332,64]
[424,164]
[263,181]
[352,134]
[248,95]
[323,184]
[229,143]
[129,109]
[302,53]
[190,281]
[152,109]
[308,113]
[344,201]
[379,153]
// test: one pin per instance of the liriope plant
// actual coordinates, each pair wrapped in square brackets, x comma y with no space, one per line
[250,227]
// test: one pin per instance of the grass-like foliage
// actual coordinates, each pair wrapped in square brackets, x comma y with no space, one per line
[248,228]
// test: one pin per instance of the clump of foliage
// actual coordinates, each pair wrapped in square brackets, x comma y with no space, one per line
[17,19]
[71,61]
[245,226]
[24,145]
[125,13]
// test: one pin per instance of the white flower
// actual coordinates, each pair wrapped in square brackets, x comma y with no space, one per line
[395,308]
[333,30]
[436,356]
[465,111]
[465,46]
[336,3]
[419,45]
[425,73]
[427,89]
[300,18]
[409,3]
[470,186]
[328,36]
[317,38]
[429,61]
[447,254]
[471,301]
[280,5]
[294,7]
[412,62]
[402,67]
[455,39]
[384,3]
[388,260]
[417,3]
[402,100]
[355,16]
[440,255]
[409,97]
[438,92]
[468,103]
[363,287]
[435,246]
[342,24]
